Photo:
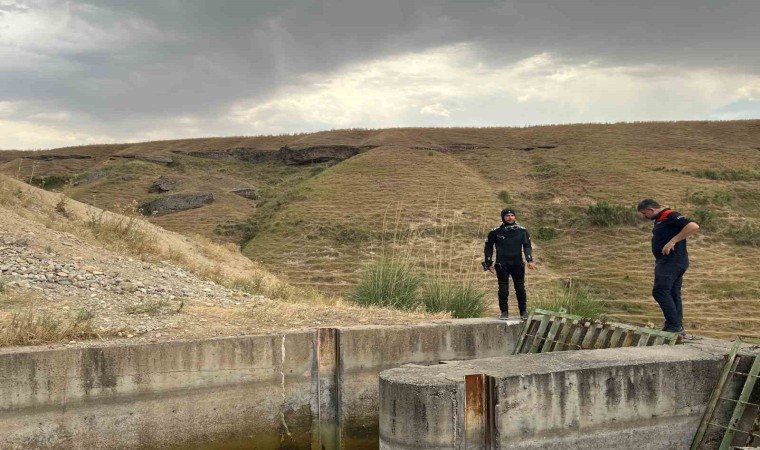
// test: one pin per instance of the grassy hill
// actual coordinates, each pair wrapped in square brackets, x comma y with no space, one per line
[431,195]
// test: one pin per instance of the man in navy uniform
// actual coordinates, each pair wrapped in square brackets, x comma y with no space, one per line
[669,235]
[511,240]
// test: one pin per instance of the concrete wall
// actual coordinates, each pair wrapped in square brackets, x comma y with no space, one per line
[261,392]
[628,398]
[365,352]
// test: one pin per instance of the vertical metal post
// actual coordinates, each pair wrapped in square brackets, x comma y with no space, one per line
[479,414]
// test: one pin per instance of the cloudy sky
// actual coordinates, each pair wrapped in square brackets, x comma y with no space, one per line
[77,72]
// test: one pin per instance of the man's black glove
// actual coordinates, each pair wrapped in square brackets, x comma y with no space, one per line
[485,265]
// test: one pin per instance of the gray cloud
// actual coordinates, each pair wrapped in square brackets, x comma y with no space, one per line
[116,66]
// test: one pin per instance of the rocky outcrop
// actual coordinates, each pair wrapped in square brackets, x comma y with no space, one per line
[160,159]
[319,153]
[248,193]
[89,178]
[176,203]
[56,157]
[246,154]
[163,184]
[456,147]
[529,148]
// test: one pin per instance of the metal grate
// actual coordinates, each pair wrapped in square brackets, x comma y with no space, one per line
[549,331]
[741,422]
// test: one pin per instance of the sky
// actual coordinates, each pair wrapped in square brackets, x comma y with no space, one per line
[83,72]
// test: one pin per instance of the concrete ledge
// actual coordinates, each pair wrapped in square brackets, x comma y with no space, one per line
[251,390]
[638,398]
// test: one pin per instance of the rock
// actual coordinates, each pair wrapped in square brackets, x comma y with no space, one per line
[163,184]
[95,176]
[248,193]
[319,153]
[176,203]
[246,154]
[49,157]
[156,158]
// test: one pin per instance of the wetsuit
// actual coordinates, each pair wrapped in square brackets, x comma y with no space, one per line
[510,241]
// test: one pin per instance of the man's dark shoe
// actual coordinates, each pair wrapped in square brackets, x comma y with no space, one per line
[504,316]
[524,316]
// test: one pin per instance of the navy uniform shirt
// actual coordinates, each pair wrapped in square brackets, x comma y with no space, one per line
[667,224]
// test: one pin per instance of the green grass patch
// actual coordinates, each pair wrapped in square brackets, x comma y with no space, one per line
[729,175]
[462,300]
[572,298]
[49,182]
[504,197]
[604,214]
[546,233]
[747,234]
[706,219]
[388,282]
[704,198]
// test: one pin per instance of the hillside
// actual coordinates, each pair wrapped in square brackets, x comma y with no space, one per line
[431,194]
[73,273]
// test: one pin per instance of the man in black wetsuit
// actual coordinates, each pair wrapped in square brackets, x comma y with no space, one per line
[671,259]
[511,240]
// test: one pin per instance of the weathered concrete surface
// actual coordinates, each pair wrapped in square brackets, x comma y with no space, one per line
[633,398]
[367,351]
[267,392]
[148,396]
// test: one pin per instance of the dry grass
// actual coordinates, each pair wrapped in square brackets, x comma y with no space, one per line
[322,236]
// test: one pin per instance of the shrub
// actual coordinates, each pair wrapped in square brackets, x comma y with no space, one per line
[462,300]
[546,233]
[747,234]
[573,298]
[730,175]
[49,182]
[30,328]
[504,197]
[605,214]
[706,219]
[706,198]
[388,282]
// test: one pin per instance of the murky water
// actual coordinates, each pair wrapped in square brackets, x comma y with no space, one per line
[274,443]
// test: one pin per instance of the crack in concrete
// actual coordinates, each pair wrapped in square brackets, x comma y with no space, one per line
[282,375]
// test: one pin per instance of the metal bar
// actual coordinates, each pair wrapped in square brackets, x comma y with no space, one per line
[520,342]
[576,336]
[615,339]
[749,385]
[732,429]
[715,396]
[601,340]
[738,401]
[563,335]
[746,374]
[590,335]
[548,343]
[643,340]
[539,334]
[629,337]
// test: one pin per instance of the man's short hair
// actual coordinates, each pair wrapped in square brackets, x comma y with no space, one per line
[648,203]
